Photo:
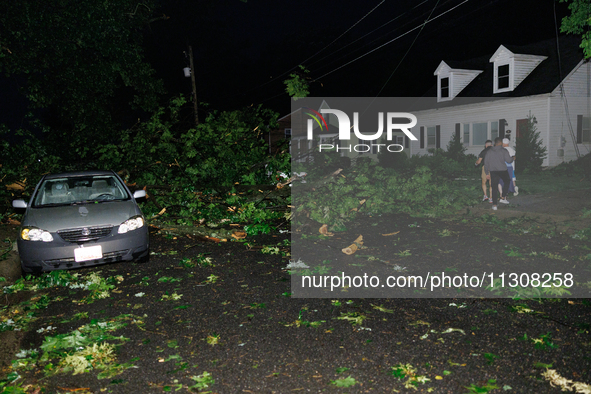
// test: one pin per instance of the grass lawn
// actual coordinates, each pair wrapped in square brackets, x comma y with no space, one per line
[546,182]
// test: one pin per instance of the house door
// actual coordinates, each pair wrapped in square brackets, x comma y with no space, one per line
[520,128]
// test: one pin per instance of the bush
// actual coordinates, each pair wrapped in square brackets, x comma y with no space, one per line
[580,168]
[371,189]
[529,149]
[225,149]
[456,149]
[443,166]
[398,160]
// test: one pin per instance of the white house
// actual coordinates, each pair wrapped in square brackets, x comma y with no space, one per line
[485,98]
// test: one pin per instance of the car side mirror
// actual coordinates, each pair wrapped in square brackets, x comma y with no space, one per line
[139,194]
[21,204]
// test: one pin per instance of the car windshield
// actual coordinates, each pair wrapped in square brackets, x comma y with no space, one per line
[79,190]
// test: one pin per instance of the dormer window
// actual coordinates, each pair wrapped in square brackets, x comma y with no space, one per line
[444,89]
[503,76]
[503,79]
[451,81]
[510,68]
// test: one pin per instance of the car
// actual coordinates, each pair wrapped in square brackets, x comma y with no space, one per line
[80,219]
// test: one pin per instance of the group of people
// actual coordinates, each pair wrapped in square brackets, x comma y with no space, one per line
[498,171]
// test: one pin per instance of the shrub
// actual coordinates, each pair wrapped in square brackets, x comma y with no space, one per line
[371,189]
[398,160]
[456,149]
[529,149]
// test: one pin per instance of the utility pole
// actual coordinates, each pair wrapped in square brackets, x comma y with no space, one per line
[193,85]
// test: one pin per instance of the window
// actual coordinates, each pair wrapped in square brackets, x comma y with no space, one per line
[586,130]
[479,133]
[372,149]
[494,130]
[329,139]
[466,133]
[503,76]
[79,189]
[431,136]
[287,134]
[300,145]
[444,88]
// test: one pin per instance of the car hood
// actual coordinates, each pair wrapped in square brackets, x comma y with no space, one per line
[83,215]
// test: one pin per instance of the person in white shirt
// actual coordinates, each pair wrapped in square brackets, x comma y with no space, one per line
[510,168]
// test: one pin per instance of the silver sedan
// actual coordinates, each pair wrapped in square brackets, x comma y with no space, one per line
[80,219]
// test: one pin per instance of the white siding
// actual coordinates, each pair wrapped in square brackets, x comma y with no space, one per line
[564,111]
[458,79]
[504,57]
[510,109]
[461,80]
[522,68]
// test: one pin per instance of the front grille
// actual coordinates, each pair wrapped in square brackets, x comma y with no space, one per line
[111,256]
[85,233]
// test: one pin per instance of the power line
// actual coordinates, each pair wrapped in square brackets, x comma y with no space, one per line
[392,40]
[407,51]
[317,52]
[342,34]
[371,32]
[383,37]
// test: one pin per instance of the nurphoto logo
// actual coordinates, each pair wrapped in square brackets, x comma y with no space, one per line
[392,120]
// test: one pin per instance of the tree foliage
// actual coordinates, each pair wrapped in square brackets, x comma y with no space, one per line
[455,148]
[227,147]
[368,188]
[391,159]
[298,86]
[530,151]
[579,22]
[81,61]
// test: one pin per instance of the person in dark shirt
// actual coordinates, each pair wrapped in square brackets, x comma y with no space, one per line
[496,169]
[487,146]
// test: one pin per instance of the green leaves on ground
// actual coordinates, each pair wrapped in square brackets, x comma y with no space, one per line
[344,382]
[87,348]
[408,372]
[487,387]
[418,192]
[203,381]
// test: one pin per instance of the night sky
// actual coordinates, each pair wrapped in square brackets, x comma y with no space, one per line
[245,50]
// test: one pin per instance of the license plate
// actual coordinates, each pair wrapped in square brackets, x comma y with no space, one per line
[89,253]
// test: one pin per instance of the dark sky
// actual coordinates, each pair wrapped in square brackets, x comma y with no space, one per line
[244,51]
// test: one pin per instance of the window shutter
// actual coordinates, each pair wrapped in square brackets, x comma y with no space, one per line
[458,131]
[501,128]
[422,137]
[438,137]
[406,142]
[579,129]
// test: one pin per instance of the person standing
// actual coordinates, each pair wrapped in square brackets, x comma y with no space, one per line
[510,168]
[496,169]
[487,146]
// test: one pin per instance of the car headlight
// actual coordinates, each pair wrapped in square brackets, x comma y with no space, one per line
[131,224]
[36,234]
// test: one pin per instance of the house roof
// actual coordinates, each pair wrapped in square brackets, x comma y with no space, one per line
[543,79]
[444,67]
